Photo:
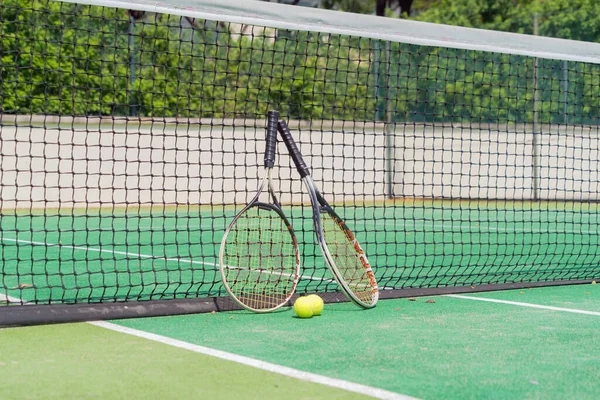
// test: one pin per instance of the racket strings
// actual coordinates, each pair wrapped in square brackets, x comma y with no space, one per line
[260,259]
[346,254]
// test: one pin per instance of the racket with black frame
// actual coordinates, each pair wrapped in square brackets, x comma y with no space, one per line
[342,252]
[259,257]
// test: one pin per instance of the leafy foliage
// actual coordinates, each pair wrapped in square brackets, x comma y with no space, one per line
[63,58]
[60,58]
[355,6]
[567,19]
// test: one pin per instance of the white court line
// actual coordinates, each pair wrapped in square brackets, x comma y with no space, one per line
[473,227]
[11,299]
[139,255]
[278,369]
[530,305]
[297,374]
[288,275]
[123,253]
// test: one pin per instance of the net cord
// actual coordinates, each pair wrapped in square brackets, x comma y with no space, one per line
[273,15]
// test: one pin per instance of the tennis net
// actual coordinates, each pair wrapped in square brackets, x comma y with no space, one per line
[132,132]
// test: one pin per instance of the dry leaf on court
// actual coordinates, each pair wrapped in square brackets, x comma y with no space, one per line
[22,286]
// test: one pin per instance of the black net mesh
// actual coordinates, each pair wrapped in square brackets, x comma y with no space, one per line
[128,141]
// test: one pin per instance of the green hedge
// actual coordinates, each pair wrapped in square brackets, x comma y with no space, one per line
[67,59]
[61,58]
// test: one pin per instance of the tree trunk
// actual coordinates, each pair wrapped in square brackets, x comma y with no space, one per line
[405,6]
[380,7]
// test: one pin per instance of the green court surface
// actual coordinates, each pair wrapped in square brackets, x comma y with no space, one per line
[432,348]
[164,253]
[81,361]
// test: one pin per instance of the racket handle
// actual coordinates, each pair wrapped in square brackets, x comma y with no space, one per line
[272,118]
[293,149]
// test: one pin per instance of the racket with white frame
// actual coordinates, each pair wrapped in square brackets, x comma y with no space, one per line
[259,257]
[340,248]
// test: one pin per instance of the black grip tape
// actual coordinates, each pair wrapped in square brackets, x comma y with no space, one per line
[286,135]
[272,118]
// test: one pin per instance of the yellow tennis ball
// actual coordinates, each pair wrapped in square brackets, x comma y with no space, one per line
[316,304]
[303,307]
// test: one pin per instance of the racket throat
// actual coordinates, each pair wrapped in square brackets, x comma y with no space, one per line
[271,188]
[312,193]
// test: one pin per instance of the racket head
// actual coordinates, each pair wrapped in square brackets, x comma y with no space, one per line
[347,259]
[259,258]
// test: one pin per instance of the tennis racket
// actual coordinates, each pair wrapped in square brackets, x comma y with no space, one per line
[259,257]
[342,252]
